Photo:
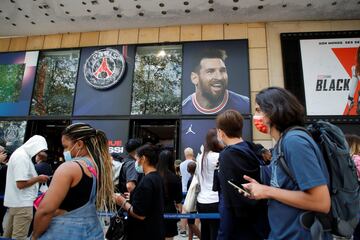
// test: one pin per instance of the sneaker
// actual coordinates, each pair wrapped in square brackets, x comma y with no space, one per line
[195,237]
[183,233]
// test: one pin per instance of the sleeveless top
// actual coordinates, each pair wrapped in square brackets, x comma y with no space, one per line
[78,195]
[79,224]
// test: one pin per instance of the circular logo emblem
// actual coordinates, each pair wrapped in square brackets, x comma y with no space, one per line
[104,68]
[11,133]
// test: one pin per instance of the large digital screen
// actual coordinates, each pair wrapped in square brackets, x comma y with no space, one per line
[215,77]
[331,73]
[55,83]
[104,81]
[17,73]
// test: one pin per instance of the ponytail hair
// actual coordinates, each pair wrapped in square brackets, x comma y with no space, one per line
[96,144]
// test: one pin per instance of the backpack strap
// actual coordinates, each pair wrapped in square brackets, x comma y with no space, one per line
[281,155]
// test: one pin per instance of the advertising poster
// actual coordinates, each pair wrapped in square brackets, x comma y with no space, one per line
[331,73]
[104,81]
[215,77]
[17,73]
[157,80]
[55,83]
[12,135]
[117,132]
[193,133]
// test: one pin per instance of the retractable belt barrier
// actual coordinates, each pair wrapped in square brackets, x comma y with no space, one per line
[176,215]
[168,215]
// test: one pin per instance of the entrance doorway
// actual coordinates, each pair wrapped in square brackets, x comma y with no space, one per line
[51,130]
[160,132]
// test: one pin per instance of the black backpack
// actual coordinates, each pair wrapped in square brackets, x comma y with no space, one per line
[344,187]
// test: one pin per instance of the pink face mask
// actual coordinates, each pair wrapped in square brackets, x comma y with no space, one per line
[260,125]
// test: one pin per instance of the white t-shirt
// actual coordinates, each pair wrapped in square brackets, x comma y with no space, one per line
[185,175]
[206,194]
[20,168]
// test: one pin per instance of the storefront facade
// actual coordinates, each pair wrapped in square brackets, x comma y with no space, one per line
[147,100]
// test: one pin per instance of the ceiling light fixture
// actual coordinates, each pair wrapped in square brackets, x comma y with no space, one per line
[161,53]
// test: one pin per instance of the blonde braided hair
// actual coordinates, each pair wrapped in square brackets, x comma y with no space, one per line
[96,144]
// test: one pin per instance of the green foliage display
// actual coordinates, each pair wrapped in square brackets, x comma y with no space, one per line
[11,76]
[55,83]
[157,81]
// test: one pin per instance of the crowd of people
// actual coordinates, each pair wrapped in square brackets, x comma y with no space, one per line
[242,181]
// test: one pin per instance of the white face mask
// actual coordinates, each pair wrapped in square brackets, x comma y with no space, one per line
[67,154]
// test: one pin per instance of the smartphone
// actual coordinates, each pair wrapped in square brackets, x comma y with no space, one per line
[241,189]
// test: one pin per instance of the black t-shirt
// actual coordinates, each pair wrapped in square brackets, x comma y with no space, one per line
[148,201]
[235,161]
[173,191]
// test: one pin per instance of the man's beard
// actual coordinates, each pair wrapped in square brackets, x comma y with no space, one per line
[215,100]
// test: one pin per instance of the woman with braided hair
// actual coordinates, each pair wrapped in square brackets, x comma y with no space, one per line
[80,187]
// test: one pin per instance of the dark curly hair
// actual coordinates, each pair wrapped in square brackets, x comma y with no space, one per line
[281,107]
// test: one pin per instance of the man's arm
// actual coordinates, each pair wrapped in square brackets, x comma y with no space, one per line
[130,186]
[31,181]
[131,176]
[314,199]
[3,157]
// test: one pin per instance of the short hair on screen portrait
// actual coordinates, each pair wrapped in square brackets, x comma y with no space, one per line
[208,53]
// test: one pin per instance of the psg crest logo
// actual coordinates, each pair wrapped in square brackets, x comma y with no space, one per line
[104,68]
[11,133]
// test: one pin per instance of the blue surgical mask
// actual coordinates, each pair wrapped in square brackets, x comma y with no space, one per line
[138,167]
[67,154]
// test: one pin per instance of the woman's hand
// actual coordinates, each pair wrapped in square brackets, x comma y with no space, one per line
[119,199]
[256,190]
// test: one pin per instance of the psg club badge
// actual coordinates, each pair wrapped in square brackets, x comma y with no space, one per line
[104,68]
[11,133]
